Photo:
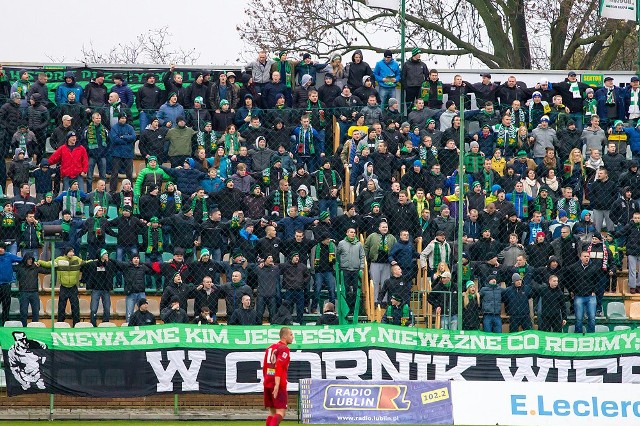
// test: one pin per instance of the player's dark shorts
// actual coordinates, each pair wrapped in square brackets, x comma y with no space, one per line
[280,402]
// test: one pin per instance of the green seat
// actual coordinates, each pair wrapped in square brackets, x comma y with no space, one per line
[118,284]
[112,212]
[110,240]
[151,283]
[166,257]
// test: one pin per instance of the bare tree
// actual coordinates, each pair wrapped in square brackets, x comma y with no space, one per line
[496,33]
[152,47]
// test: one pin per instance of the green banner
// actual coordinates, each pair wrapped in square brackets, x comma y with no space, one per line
[593,80]
[185,336]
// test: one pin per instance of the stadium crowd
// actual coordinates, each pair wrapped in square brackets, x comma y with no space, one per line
[245,166]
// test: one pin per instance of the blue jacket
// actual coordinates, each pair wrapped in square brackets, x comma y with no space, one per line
[121,140]
[212,185]
[516,300]
[62,92]
[383,70]
[6,270]
[170,113]
[601,97]
[634,138]
[290,224]
[125,93]
[404,253]
[242,113]
[520,202]
[305,145]
[188,180]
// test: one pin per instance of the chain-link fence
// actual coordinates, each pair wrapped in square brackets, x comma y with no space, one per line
[511,185]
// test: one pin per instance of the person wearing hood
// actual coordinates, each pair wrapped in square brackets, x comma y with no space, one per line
[362,173]
[197,89]
[244,314]
[387,74]
[74,109]
[181,227]
[329,91]
[170,111]
[73,159]
[38,120]
[173,84]
[301,92]
[123,90]
[148,100]
[631,179]
[95,95]
[366,89]
[43,177]
[18,170]
[69,85]
[414,178]
[369,195]
[28,286]
[295,276]
[414,73]
[261,155]
[623,208]
[356,70]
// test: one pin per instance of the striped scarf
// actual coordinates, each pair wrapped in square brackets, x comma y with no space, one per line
[605,255]
[437,253]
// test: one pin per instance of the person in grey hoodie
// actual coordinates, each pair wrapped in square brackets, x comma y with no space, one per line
[350,254]
[543,137]
[261,156]
[301,92]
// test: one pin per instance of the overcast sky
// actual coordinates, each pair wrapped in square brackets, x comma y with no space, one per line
[59,29]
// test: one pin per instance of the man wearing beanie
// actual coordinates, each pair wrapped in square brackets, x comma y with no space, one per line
[516,300]
[387,74]
[98,275]
[471,307]
[148,100]
[95,95]
[414,73]
[142,316]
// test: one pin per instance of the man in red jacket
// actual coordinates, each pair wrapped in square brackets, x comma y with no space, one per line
[73,160]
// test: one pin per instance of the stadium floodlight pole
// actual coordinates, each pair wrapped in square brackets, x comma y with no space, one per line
[460,207]
[402,49]
[52,246]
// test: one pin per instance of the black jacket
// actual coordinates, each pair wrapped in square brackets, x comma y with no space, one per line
[27,275]
[580,280]
[209,300]
[128,229]
[152,142]
[139,318]
[99,275]
[134,276]
[328,318]
[149,97]
[95,95]
[170,316]
[243,316]
[183,292]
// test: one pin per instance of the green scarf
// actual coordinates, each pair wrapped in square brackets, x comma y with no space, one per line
[488,180]
[231,143]
[319,106]
[67,201]
[150,240]
[590,106]
[304,202]
[425,91]
[437,254]
[66,229]
[466,273]
[351,240]
[282,202]
[423,224]
[97,230]
[523,202]
[522,119]
[203,206]
[611,100]
[574,89]
[177,199]
[332,254]
[548,208]
[96,136]
[321,179]
[437,203]
[506,136]
[8,220]
[384,244]
[288,74]
[135,208]
[100,200]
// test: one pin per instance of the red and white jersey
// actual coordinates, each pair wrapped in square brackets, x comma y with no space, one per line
[276,364]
